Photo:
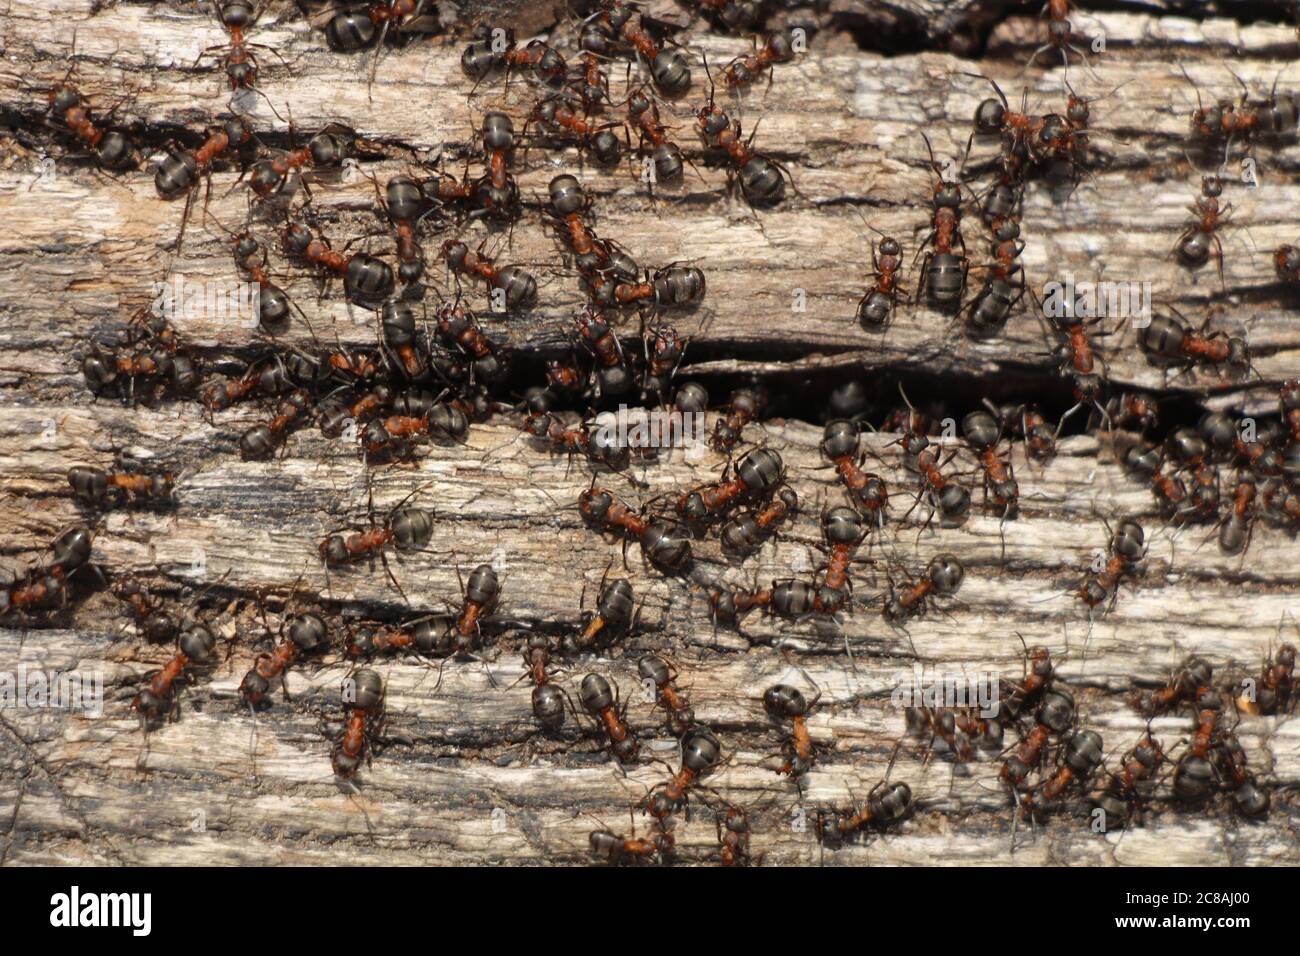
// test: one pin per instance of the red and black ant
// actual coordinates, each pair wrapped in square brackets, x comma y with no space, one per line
[783,702]
[602,703]
[598,446]
[158,699]
[662,544]
[406,528]
[261,441]
[239,63]
[1200,239]
[757,476]
[47,586]
[299,635]
[1171,340]
[866,490]
[180,170]
[327,148]
[1275,690]
[112,148]
[1191,676]
[1127,548]
[943,271]
[99,488]
[1126,792]
[943,577]
[1059,32]
[616,849]
[876,307]
[745,406]
[612,28]
[365,278]
[497,49]
[615,613]
[777,48]
[761,180]
[660,676]
[700,753]
[363,705]
[511,287]
[558,119]
[745,533]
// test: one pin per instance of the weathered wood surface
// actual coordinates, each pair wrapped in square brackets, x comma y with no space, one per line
[82,253]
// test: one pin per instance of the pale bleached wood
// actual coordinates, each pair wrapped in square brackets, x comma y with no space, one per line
[85,251]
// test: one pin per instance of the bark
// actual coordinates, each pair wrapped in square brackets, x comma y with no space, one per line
[465,776]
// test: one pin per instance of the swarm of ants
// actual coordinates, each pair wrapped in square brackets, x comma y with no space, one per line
[441,364]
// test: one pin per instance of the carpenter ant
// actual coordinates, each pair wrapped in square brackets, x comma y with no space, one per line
[99,488]
[1055,715]
[1005,285]
[180,170]
[1287,262]
[156,624]
[790,599]
[1127,548]
[157,699]
[1170,340]
[614,614]
[943,272]
[1134,411]
[867,491]
[460,329]
[743,70]
[1194,674]
[395,436]
[405,528]
[1235,529]
[1200,239]
[260,441]
[558,119]
[602,703]
[363,704]
[613,373]
[111,148]
[700,753]
[47,586]
[597,447]
[844,530]
[661,543]
[887,804]
[983,432]
[365,278]
[783,702]
[327,148]
[272,301]
[944,495]
[549,698]
[497,49]
[1248,797]
[1194,774]
[659,673]
[675,286]
[757,476]
[733,837]
[1059,32]
[615,849]
[943,576]
[745,406]
[299,635]
[512,287]
[745,533]
[1081,757]
[762,180]
[612,28]
[1274,692]
[665,162]
[664,350]
[1125,792]
[876,307]
[481,593]
[940,724]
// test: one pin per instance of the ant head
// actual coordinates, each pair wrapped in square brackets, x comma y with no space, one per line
[1212,185]
[1058,32]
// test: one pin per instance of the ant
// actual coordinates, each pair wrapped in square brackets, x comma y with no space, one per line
[1059,32]
[602,703]
[1039,674]
[512,287]
[1127,548]
[876,307]
[1081,757]
[260,441]
[867,491]
[597,447]
[1194,674]
[397,324]
[659,673]
[459,328]
[239,63]
[943,577]
[762,180]
[180,170]
[744,534]
[365,278]
[99,488]
[1170,340]
[941,724]
[481,594]
[549,698]
[665,289]
[1194,774]
[615,849]
[1275,690]
[783,702]
[665,162]
[1133,410]
[745,406]
[1200,239]
[1026,423]
[327,148]
[700,753]
[790,599]
[558,119]
[757,476]
[363,703]
[1055,715]
[394,436]
[733,837]
[614,614]
[664,350]
[611,27]
[407,528]
[1235,529]
[158,698]
[272,302]
[944,495]
[1124,792]
[593,330]
[1250,799]
[496,193]
[886,805]
[1005,285]
[943,272]
[1287,262]
[983,432]
[156,624]
[661,543]
[777,48]
[299,635]
[497,49]
[112,148]
[47,586]
[844,531]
